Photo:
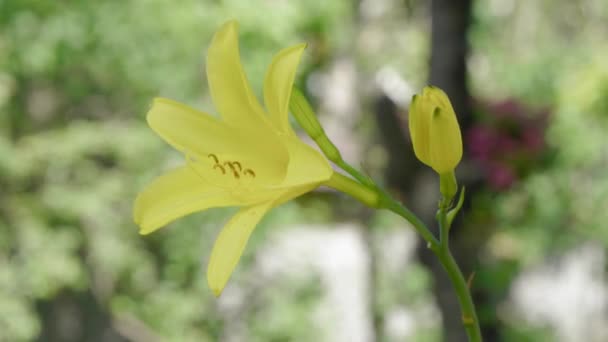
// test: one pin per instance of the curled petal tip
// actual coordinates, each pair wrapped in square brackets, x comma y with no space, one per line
[143,231]
[217,292]
[230,24]
[215,286]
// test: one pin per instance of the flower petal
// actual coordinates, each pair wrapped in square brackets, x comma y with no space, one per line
[199,134]
[230,244]
[293,192]
[228,83]
[306,165]
[418,120]
[176,194]
[445,141]
[189,130]
[278,84]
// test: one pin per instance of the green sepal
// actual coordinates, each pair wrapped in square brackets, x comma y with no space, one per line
[448,186]
[454,211]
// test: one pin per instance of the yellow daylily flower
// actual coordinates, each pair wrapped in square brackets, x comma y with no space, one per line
[434,130]
[249,158]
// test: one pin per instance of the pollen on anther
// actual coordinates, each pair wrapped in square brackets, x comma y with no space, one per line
[220,167]
[230,165]
[249,172]
[214,157]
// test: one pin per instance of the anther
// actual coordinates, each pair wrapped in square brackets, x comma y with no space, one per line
[230,165]
[237,164]
[220,167]
[236,174]
[211,155]
[249,172]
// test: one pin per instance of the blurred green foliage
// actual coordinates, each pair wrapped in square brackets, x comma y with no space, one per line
[76,78]
[554,55]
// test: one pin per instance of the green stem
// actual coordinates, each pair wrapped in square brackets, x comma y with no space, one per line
[374,197]
[467,307]
[363,189]
[353,172]
[349,186]
[389,203]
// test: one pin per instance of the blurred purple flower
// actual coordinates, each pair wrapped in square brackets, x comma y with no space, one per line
[506,140]
[506,145]
[533,139]
[480,141]
[500,176]
[507,109]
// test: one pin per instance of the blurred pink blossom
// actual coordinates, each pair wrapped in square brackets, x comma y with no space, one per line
[507,140]
[500,176]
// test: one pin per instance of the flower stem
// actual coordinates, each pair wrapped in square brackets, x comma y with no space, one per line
[363,179]
[387,202]
[349,186]
[374,197]
[467,307]
[363,189]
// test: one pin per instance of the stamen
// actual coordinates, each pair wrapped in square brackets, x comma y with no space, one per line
[234,171]
[211,155]
[221,168]
[249,172]
[234,166]
[230,165]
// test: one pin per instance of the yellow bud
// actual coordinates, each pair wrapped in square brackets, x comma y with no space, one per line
[301,110]
[434,130]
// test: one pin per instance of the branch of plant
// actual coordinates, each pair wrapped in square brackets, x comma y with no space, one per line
[381,199]
[372,195]
[467,307]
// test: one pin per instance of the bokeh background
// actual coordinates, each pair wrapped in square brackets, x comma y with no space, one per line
[529,80]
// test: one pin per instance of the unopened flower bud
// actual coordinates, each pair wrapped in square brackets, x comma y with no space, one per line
[434,130]
[301,110]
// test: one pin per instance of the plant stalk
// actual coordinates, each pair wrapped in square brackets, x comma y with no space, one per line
[467,307]
[363,189]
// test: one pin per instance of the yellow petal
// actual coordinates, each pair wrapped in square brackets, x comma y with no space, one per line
[436,96]
[434,130]
[201,135]
[228,83]
[176,194]
[418,120]
[278,84]
[306,165]
[294,192]
[230,244]
[189,130]
[445,142]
